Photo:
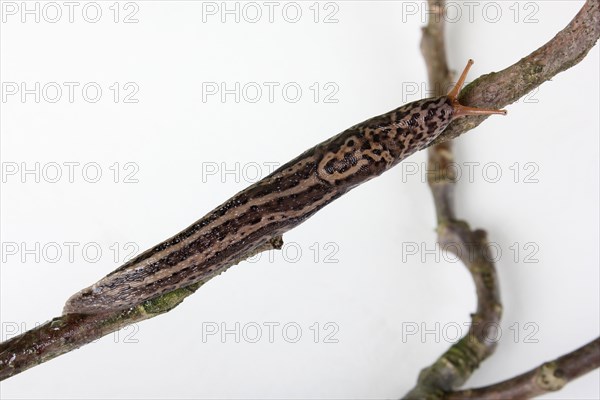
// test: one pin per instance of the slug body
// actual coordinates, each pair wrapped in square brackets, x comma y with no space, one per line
[274,205]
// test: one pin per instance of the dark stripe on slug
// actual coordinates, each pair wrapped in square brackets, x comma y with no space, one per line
[228,229]
[272,183]
[212,265]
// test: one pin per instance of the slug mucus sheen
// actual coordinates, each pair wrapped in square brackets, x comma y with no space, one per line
[276,204]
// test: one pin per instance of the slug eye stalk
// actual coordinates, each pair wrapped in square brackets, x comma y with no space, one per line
[459,109]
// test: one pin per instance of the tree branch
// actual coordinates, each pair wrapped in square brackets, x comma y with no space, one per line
[457,364]
[548,377]
[499,89]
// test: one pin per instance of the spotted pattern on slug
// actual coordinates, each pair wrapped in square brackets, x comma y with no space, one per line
[369,148]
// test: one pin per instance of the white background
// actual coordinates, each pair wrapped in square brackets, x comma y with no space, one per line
[376,291]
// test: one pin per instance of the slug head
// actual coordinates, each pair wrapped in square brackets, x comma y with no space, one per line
[459,109]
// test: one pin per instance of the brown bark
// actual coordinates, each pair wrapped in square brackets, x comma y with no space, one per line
[69,332]
[548,377]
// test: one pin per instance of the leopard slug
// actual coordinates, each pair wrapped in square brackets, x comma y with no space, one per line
[276,204]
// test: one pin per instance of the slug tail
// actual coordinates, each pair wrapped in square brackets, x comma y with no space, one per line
[85,302]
